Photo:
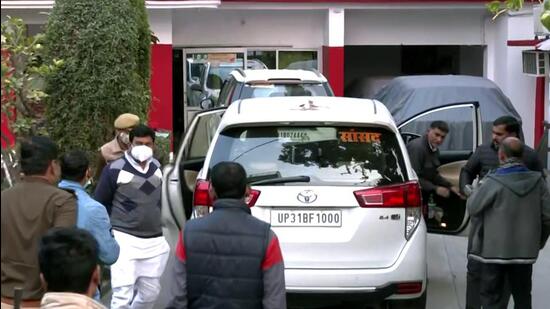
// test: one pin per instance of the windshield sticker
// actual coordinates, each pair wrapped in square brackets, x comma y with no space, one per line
[305,135]
[352,136]
[294,135]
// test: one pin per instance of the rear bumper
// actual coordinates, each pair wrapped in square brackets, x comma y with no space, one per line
[363,284]
[331,298]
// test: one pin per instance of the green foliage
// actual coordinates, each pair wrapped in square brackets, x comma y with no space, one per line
[23,73]
[162,147]
[545,15]
[144,43]
[498,7]
[103,74]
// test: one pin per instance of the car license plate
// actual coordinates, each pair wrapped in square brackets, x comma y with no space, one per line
[329,218]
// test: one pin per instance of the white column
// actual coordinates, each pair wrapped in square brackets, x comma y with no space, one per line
[335,27]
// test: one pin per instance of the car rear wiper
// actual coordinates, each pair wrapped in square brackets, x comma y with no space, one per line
[280,180]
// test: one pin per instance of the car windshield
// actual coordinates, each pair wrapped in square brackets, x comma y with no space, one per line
[259,90]
[363,156]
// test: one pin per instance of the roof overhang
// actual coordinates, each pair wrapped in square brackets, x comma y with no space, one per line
[544,45]
[150,4]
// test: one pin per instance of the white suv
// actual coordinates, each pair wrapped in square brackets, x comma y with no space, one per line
[332,176]
[246,84]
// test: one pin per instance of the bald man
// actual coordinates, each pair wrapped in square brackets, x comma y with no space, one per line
[510,217]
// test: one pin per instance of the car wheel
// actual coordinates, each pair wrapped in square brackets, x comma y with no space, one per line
[416,303]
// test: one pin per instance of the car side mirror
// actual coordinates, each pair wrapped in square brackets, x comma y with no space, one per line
[207,103]
[196,87]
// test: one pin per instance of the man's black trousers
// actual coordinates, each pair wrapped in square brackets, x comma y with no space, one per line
[494,277]
[473,287]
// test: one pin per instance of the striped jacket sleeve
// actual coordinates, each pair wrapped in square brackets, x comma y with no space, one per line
[179,288]
[274,275]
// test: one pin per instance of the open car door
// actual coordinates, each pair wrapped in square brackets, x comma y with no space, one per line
[448,215]
[179,177]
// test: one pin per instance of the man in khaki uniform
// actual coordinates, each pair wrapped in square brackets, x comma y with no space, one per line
[28,210]
[115,149]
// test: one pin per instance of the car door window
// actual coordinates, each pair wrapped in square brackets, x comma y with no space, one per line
[203,133]
[461,128]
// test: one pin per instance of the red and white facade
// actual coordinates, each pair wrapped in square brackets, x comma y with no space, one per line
[331,29]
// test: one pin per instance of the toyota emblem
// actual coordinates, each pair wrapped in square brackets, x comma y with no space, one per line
[307,196]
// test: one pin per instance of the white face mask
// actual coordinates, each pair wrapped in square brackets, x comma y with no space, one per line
[141,153]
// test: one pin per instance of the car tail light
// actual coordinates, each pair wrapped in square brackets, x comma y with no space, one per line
[202,201]
[401,195]
[405,195]
[252,198]
[409,287]
[201,198]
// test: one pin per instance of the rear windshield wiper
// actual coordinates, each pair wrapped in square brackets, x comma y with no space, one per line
[280,180]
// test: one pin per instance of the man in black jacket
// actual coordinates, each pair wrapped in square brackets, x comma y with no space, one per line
[228,259]
[424,156]
[484,160]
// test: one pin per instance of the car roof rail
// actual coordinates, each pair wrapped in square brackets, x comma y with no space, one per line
[315,71]
[242,72]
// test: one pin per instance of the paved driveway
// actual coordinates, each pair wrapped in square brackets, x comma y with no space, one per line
[446,275]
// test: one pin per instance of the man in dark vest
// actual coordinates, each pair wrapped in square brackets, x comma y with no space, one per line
[228,259]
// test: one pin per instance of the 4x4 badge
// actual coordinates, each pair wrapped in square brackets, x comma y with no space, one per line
[307,196]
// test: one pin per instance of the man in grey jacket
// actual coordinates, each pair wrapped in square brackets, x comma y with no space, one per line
[484,160]
[510,224]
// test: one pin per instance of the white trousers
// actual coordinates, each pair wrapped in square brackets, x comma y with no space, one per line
[135,277]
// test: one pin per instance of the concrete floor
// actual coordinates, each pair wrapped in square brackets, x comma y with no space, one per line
[446,275]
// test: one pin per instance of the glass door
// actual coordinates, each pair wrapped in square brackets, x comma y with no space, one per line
[205,70]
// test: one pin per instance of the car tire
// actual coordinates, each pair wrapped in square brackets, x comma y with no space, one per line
[416,303]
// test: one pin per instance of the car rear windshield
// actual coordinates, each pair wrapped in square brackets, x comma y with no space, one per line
[361,156]
[261,90]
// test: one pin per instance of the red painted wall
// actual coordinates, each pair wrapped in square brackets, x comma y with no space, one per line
[539,109]
[5,98]
[6,132]
[160,111]
[333,68]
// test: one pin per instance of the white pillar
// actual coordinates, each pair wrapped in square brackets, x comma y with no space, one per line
[335,27]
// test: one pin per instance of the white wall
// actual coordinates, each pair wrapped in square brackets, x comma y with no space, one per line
[160,22]
[32,17]
[504,66]
[414,27]
[207,27]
